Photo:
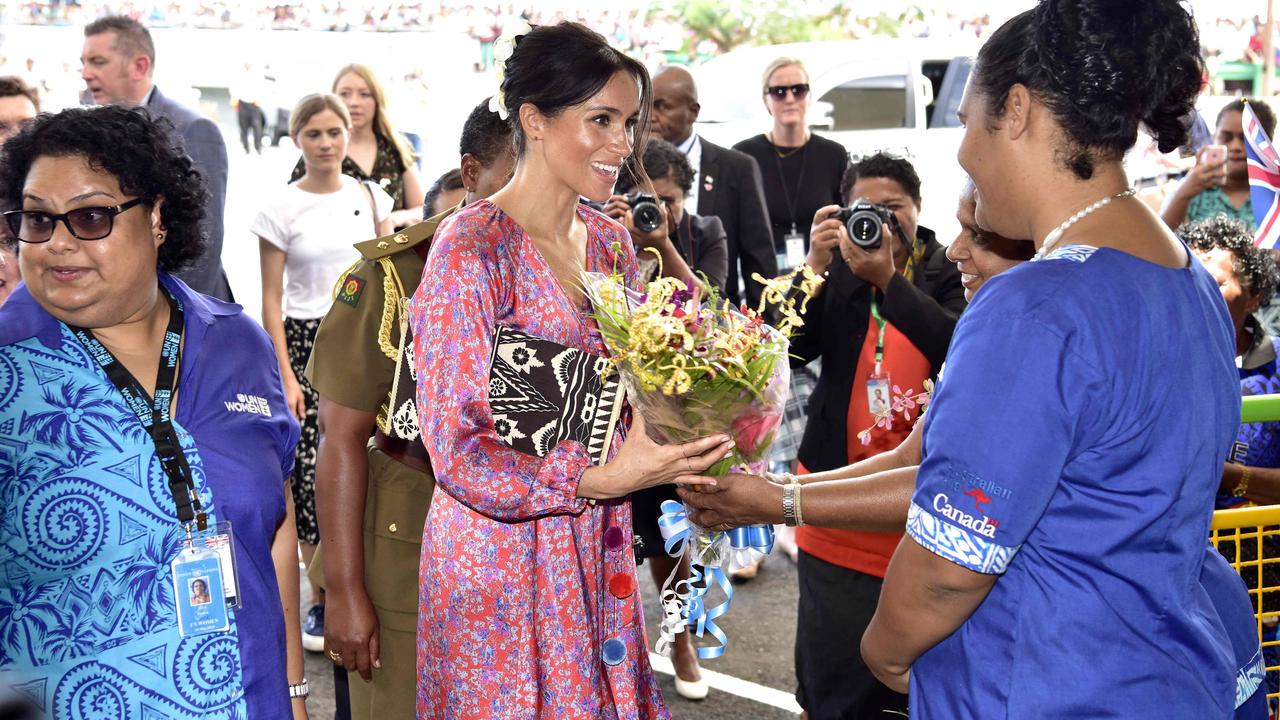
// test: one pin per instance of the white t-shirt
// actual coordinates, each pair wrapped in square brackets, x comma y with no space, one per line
[316,231]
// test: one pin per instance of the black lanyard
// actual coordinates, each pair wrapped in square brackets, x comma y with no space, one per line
[153,413]
[792,203]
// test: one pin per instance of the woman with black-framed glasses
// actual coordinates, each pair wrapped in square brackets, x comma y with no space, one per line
[145,443]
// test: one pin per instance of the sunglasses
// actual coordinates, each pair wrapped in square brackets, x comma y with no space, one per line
[86,223]
[800,91]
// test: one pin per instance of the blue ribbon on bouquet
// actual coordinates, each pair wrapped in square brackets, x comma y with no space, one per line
[684,603]
[749,544]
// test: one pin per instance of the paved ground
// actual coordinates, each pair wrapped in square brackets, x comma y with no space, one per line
[761,629]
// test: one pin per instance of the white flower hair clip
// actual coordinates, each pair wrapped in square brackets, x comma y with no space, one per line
[502,51]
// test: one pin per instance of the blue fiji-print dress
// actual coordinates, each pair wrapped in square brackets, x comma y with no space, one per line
[88,527]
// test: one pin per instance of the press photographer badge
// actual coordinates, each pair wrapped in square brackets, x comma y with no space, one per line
[878,394]
[795,248]
[198,591]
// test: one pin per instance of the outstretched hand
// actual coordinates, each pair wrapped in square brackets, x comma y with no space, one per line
[642,463]
[734,501]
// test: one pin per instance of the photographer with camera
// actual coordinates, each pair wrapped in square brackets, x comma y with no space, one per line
[884,318]
[690,246]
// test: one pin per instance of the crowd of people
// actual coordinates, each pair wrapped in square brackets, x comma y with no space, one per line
[165,460]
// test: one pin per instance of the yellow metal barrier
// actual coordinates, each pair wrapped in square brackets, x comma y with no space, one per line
[1240,535]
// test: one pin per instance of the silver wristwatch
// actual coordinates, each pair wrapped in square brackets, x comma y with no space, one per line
[791,505]
[300,690]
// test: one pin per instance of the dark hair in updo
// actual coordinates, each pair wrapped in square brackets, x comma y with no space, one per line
[1101,67]
[129,144]
[1254,267]
[555,67]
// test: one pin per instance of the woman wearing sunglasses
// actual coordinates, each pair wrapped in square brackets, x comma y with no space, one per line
[801,172]
[141,425]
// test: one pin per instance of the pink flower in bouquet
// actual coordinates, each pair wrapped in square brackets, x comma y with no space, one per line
[754,433]
[903,402]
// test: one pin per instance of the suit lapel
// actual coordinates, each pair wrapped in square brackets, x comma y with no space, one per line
[708,180]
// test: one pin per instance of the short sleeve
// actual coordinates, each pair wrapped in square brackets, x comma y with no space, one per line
[998,434]
[347,364]
[270,226]
[382,202]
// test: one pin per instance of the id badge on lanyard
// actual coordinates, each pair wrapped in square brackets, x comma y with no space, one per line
[795,248]
[199,592]
[200,582]
[879,401]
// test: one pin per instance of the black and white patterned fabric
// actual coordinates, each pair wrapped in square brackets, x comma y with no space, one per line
[542,392]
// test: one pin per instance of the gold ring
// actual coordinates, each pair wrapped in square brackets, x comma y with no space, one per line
[336,657]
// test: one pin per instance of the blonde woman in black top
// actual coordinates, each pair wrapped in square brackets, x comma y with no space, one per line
[801,171]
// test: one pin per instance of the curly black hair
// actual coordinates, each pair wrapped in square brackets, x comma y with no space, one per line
[882,165]
[1254,267]
[660,160]
[484,135]
[1101,67]
[129,144]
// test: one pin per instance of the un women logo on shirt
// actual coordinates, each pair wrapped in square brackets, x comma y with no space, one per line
[251,404]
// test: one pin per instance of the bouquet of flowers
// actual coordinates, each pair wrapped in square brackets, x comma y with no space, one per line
[694,365]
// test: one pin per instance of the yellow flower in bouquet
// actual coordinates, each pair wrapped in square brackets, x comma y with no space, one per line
[694,364]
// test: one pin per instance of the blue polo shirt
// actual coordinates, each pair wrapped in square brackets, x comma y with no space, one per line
[1073,449]
[88,528]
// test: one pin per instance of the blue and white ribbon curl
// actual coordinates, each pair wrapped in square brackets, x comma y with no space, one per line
[713,555]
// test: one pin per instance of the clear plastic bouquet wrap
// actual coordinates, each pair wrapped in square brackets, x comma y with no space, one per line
[694,365]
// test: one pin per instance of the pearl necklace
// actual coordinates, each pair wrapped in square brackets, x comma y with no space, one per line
[1056,234]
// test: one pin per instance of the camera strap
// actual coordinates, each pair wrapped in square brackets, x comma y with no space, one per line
[153,413]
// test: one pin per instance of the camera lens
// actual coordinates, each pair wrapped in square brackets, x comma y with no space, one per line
[647,217]
[864,229]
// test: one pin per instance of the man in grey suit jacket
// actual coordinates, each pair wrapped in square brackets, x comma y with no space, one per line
[117,64]
[726,182]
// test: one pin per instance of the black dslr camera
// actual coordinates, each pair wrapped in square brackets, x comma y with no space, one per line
[645,211]
[864,220]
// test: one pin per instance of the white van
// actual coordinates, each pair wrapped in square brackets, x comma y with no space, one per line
[895,95]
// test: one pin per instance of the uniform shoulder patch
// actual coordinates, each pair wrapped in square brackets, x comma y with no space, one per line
[352,287]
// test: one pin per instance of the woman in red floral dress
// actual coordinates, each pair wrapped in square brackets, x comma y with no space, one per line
[528,607]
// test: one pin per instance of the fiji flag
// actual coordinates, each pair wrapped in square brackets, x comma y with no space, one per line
[1264,181]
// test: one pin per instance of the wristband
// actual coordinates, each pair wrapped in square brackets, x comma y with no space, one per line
[300,690]
[799,514]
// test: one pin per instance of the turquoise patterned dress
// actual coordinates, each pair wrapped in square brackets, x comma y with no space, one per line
[88,528]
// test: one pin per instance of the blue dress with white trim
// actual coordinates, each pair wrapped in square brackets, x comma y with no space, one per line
[1074,448]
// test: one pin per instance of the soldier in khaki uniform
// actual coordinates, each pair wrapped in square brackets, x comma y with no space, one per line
[372,494]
